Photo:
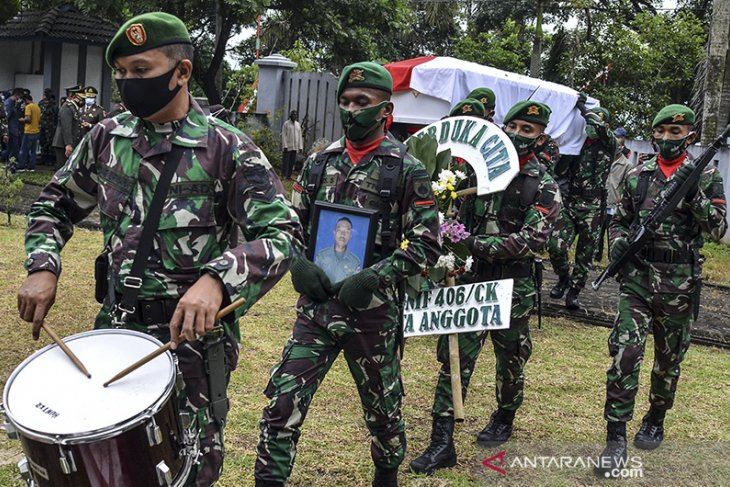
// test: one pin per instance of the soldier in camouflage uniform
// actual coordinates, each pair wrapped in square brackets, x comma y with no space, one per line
[49,119]
[584,204]
[486,97]
[222,183]
[660,291]
[90,113]
[508,230]
[360,316]
[548,153]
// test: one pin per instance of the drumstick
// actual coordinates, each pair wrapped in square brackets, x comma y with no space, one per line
[66,350]
[139,363]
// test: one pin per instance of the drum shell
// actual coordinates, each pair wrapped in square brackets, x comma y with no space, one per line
[137,459]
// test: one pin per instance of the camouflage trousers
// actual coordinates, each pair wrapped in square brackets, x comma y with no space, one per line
[512,349]
[670,317]
[581,222]
[194,399]
[368,340]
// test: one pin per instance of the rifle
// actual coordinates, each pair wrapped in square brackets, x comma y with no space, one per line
[674,193]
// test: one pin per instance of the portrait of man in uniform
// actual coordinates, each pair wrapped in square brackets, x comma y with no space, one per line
[341,244]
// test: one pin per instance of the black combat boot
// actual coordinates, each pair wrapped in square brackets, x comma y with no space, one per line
[440,453]
[651,433]
[615,455]
[498,430]
[571,300]
[385,478]
[559,289]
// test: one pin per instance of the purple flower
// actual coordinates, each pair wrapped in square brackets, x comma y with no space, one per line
[453,231]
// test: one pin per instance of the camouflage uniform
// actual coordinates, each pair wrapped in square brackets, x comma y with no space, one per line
[582,208]
[659,293]
[548,154]
[511,237]
[224,181]
[368,337]
[49,119]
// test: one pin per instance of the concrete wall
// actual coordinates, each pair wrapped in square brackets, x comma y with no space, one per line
[69,66]
[16,63]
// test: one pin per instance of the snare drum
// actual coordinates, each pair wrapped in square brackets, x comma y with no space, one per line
[77,433]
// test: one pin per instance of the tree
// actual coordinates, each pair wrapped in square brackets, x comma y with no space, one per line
[503,49]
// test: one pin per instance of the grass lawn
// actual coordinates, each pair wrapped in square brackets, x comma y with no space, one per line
[562,413]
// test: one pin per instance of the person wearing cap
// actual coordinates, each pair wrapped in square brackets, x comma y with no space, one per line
[508,230]
[367,168]
[49,119]
[621,135]
[91,113]
[486,97]
[68,131]
[659,291]
[221,183]
[584,206]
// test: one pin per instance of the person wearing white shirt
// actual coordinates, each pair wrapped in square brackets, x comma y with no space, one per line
[291,144]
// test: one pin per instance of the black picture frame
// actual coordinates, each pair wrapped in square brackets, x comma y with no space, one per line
[323,239]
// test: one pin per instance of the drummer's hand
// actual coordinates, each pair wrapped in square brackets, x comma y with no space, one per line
[35,298]
[196,310]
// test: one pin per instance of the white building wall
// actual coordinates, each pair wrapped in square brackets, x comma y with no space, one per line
[69,66]
[15,59]
[94,66]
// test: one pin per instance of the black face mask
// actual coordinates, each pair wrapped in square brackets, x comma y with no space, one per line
[147,96]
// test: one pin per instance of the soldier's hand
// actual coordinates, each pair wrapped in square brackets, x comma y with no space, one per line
[69,150]
[357,290]
[683,173]
[582,99]
[196,310]
[618,248]
[35,298]
[309,279]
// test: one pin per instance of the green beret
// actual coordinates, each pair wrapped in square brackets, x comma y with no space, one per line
[674,114]
[485,96]
[366,74]
[468,106]
[529,111]
[145,32]
[603,113]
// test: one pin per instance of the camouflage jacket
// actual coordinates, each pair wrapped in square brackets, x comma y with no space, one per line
[356,185]
[681,231]
[588,173]
[222,182]
[505,230]
[548,154]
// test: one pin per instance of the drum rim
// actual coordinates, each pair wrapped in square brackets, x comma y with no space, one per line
[102,433]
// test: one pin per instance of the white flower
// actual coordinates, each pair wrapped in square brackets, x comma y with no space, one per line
[442,218]
[445,174]
[447,261]
[438,187]
[460,174]
[468,263]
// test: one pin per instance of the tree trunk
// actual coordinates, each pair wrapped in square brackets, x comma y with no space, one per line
[210,77]
[537,44]
[716,106]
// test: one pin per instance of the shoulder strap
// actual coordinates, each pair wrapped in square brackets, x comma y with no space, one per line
[315,174]
[529,188]
[388,185]
[642,188]
[132,282]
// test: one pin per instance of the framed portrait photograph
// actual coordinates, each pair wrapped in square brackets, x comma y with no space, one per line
[342,239]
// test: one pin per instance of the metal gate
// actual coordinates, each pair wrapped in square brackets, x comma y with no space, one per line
[314,97]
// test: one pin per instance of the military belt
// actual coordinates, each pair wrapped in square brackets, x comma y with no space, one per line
[667,256]
[490,271]
[152,312]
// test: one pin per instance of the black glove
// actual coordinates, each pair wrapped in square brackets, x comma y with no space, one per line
[682,174]
[619,248]
[310,280]
[356,291]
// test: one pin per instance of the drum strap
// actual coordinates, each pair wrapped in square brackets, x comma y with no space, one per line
[215,367]
[133,281]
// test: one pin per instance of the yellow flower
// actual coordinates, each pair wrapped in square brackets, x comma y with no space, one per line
[454,195]
[404,244]
[450,187]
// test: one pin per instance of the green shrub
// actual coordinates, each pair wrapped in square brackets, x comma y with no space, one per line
[10,187]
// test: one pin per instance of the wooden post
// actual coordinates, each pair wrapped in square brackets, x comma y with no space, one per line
[455,368]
